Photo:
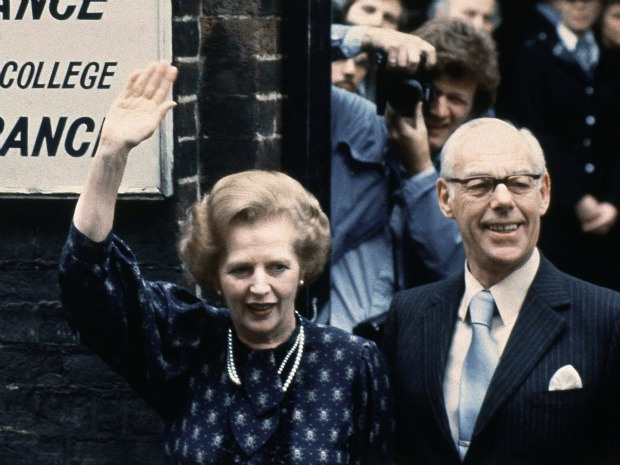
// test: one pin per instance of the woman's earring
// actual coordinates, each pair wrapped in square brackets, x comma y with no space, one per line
[218,292]
[301,282]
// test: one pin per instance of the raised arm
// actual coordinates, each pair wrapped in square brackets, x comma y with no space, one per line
[133,117]
[403,50]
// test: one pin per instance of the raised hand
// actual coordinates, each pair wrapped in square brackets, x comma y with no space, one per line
[411,135]
[142,104]
[132,118]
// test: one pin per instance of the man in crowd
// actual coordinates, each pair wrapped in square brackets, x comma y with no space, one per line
[482,14]
[388,232]
[569,97]
[512,361]
[349,73]
[378,13]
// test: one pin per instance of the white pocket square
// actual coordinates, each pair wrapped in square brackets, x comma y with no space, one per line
[565,378]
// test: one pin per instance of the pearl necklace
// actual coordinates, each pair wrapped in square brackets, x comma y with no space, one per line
[299,345]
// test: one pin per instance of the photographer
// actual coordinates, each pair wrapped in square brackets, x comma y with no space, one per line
[388,232]
[465,77]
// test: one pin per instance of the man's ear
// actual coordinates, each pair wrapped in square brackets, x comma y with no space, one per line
[443,197]
[545,193]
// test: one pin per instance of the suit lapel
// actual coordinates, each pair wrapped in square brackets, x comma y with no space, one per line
[439,323]
[536,328]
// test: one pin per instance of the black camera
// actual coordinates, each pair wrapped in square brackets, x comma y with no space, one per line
[401,90]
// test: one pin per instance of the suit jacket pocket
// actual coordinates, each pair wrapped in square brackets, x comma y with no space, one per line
[564,421]
[569,398]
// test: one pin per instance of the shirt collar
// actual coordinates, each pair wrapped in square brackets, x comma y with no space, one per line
[569,38]
[508,294]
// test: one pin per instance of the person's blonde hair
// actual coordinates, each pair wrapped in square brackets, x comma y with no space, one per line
[248,197]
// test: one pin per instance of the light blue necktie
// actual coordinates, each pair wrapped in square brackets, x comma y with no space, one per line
[479,366]
[583,54]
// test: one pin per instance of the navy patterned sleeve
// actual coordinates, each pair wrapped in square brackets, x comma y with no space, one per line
[146,331]
[375,420]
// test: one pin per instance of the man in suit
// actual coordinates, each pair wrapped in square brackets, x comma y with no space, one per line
[539,383]
[569,97]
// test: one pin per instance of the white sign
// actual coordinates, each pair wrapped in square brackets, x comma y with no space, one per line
[62,62]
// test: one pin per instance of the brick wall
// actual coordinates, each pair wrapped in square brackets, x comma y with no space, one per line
[59,404]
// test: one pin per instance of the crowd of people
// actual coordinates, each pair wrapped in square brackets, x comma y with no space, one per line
[489,347]
[552,68]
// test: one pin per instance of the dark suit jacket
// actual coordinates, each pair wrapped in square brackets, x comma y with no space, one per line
[563,321]
[575,115]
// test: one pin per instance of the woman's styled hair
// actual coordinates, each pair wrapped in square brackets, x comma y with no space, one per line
[464,52]
[249,197]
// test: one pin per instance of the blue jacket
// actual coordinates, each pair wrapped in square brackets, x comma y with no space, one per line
[388,232]
[371,196]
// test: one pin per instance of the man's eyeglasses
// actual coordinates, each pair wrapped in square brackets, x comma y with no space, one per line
[480,186]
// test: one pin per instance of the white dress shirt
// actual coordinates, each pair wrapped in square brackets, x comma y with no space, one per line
[569,39]
[509,295]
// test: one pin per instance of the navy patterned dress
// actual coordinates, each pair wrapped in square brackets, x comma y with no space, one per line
[171,348]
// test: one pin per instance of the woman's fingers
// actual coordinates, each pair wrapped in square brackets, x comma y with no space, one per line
[167,76]
[146,74]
